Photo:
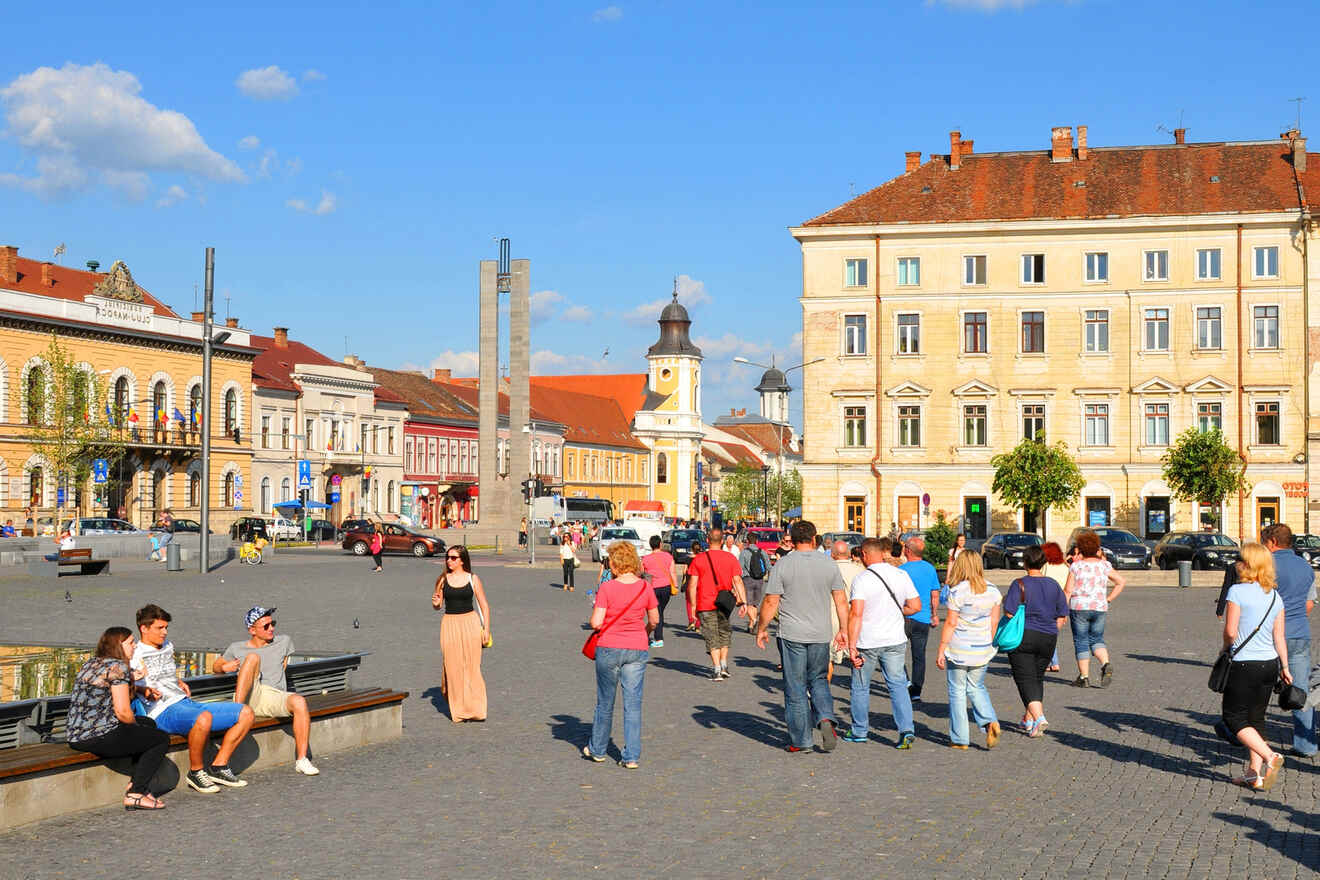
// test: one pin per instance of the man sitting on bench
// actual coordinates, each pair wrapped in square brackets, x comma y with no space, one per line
[260,662]
[168,701]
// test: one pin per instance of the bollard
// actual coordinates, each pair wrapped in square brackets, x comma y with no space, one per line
[1185,573]
[173,559]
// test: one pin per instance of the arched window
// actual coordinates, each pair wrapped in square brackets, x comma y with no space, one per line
[229,490]
[286,490]
[157,500]
[80,400]
[37,490]
[122,402]
[194,489]
[231,411]
[389,496]
[36,396]
[265,494]
[194,407]
[661,468]
[159,417]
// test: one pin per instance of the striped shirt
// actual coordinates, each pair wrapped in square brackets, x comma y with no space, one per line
[971,645]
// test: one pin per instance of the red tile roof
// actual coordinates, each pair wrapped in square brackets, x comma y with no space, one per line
[589,418]
[761,435]
[1174,179]
[71,284]
[273,368]
[468,391]
[736,452]
[628,390]
[424,397]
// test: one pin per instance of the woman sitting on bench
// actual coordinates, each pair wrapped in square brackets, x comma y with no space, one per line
[101,720]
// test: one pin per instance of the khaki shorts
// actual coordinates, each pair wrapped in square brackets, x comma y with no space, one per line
[268,701]
[716,629]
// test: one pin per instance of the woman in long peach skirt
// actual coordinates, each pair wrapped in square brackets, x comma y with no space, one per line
[464,628]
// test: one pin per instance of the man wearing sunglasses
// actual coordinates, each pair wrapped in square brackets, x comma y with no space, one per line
[260,662]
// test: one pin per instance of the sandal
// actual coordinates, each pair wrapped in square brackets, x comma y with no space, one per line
[1272,770]
[138,805]
[1249,780]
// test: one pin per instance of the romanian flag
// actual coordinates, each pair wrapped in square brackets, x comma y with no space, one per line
[193,415]
[178,416]
[160,416]
[132,416]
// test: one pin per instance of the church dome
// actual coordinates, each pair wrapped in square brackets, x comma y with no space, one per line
[773,380]
[674,323]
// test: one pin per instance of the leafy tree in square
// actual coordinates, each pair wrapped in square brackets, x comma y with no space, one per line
[1037,477]
[1199,466]
[940,536]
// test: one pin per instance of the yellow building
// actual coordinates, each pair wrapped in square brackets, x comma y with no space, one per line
[146,362]
[1107,297]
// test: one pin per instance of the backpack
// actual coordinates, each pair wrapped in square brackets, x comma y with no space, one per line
[756,567]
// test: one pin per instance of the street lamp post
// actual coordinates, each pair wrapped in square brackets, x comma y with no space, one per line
[779,433]
[765,490]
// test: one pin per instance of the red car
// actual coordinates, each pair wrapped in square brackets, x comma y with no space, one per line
[397,540]
[766,538]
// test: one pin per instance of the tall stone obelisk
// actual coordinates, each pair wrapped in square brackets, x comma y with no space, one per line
[493,505]
[520,410]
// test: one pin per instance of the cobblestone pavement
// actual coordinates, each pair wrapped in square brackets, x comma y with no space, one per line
[1129,781]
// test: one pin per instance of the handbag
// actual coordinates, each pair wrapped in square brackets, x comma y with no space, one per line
[1223,663]
[490,639]
[589,647]
[1009,634]
[1291,697]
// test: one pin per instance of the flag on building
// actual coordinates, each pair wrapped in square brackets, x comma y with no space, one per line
[109,416]
[178,416]
[132,416]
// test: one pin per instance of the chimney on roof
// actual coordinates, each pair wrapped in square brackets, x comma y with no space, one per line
[1082,149]
[8,264]
[199,317]
[1180,135]
[1061,143]
[955,150]
[46,279]
[281,337]
[231,322]
[734,412]
[965,148]
[353,361]
[439,375]
[913,161]
[1298,145]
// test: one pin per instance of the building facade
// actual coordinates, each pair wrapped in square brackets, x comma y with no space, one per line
[1106,297]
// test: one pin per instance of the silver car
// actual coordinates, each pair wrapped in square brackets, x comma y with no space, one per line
[104,525]
[608,535]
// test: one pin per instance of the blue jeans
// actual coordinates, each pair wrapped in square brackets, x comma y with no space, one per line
[965,681]
[1299,665]
[890,659]
[1088,632]
[805,665]
[626,668]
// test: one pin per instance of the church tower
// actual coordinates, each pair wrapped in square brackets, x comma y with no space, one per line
[774,391]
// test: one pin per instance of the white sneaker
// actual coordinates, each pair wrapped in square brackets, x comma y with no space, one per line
[305,767]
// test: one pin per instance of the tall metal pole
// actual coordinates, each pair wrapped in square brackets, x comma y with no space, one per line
[204,563]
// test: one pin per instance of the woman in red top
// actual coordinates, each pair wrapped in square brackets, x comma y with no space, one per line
[625,613]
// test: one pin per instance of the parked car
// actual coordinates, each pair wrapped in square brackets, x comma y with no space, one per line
[245,528]
[1205,550]
[323,530]
[854,539]
[282,529]
[103,525]
[1122,548]
[609,534]
[1004,549]
[765,537]
[683,544]
[397,540]
[186,527]
[1308,547]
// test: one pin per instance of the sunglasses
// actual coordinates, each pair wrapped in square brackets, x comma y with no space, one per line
[270,625]
[459,558]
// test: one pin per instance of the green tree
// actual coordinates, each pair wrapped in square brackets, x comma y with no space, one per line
[1201,467]
[940,536]
[1037,477]
[791,482]
[740,492]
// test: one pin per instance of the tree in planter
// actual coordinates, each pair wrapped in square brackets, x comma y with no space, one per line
[63,424]
[1037,477]
[1201,467]
[940,537]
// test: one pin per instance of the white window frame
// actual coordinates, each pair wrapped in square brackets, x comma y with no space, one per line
[1217,276]
[851,264]
[847,334]
[1086,324]
[1278,327]
[1146,418]
[1196,412]
[1256,253]
[1109,423]
[898,423]
[898,336]
[985,266]
[1146,273]
[1029,260]
[1020,318]
[962,333]
[866,427]
[1044,417]
[898,271]
[1196,323]
[1168,328]
[1277,400]
[963,406]
[1086,267]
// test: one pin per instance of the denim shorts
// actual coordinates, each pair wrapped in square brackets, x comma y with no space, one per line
[178,718]
[1088,631]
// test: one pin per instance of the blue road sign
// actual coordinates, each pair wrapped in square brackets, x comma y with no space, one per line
[100,470]
[334,497]
[304,474]
[59,496]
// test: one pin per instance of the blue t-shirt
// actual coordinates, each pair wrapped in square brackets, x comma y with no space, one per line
[1045,603]
[1296,585]
[926,581]
[1253,602]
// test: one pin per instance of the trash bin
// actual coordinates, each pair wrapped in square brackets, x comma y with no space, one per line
[173,561]
[1185,573]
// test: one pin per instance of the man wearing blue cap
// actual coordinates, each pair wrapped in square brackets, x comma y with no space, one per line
[260,662]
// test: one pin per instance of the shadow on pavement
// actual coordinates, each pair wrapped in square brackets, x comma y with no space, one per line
[570,729]
[1129,754]
[438,700]
[1156,658]
[1300,846]
[686,667]
[757,728]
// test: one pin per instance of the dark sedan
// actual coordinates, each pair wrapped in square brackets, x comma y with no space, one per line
[1308,547]
[1122,548]
[684,544]
[397,540]
[1004,549]
[1205,550]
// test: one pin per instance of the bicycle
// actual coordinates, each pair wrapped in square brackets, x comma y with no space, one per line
[249,552]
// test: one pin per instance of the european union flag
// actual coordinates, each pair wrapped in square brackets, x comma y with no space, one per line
[109,416]
[178,416]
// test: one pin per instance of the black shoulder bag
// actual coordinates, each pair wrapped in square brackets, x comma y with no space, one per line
[1219,672]
[725,601]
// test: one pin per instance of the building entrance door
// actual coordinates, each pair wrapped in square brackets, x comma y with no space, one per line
[909,513]
[1267,513]
[854,513]
[1157,516]
[975,517]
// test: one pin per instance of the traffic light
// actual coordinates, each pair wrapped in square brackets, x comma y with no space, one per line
[528,488]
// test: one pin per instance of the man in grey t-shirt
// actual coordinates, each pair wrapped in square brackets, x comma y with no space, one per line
[260,661]
[802,587]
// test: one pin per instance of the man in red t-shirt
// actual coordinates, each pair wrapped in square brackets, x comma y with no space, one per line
[708,573]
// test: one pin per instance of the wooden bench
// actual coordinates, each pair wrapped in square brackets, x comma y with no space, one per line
[78,556]
[35,783]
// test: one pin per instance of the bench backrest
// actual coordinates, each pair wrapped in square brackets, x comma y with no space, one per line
[76,553]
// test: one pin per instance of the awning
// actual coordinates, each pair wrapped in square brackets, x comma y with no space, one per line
[297,505]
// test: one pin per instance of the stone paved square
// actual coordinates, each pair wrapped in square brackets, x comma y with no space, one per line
[1130,781]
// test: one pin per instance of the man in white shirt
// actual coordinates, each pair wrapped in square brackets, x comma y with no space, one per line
[883,597]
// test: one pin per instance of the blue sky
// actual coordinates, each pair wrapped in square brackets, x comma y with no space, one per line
[351,163]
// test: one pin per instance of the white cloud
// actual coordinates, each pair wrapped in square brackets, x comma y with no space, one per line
[294,165]
[577,315]
[326,205]
[730,345]
[462,363]
[543,304]
[173,196]
[79,119]
[251,142]
[984,5]
[691,293]
[267,84]
[313,75]
[552,363]
[607,14]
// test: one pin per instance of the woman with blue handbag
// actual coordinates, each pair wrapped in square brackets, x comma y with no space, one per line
[966,648]
[1044,611]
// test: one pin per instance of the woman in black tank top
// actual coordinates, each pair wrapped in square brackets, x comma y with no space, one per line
[462,634]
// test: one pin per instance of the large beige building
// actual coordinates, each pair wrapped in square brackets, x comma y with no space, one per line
[1107,297]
